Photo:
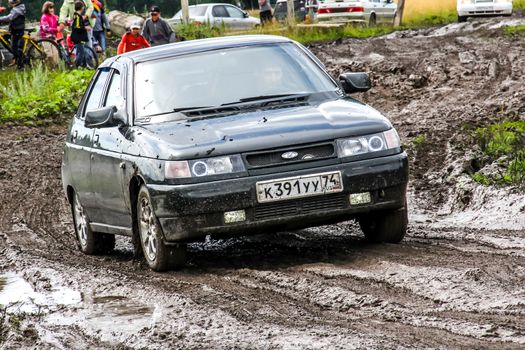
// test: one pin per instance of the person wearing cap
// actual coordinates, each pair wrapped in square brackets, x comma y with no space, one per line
[156,30]
[17,23]
[132,40]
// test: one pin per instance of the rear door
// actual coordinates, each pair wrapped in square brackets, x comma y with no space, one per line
[220,15]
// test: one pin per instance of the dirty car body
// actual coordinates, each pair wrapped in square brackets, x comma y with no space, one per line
[175,143]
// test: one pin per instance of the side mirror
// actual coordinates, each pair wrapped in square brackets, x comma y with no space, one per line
[355,82]
[246,15]
[104,117]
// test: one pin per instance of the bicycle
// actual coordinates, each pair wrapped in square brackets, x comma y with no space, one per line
[68,55]
[45,51]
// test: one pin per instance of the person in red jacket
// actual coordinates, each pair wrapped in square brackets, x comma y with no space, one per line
[132,40]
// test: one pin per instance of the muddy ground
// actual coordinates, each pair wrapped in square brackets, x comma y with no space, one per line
[456,281]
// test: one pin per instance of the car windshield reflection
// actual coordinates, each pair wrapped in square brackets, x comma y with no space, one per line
[226,77]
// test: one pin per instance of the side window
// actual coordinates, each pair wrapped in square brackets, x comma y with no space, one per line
[95,95]
[234,13]
[114,96]
[220,11]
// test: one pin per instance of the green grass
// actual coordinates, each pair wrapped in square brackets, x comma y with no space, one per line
[503,143]
[40,96]
[518,4]
[515,30]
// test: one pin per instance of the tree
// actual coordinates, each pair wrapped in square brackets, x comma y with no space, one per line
[399,14]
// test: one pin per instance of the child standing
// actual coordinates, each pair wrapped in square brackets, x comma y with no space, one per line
[79,34]
[132,40]
[48,21]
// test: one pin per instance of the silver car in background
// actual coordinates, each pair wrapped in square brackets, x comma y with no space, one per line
[217,15]
[370,12]
[471,8]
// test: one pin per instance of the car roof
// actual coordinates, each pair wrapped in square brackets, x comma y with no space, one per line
[192,46]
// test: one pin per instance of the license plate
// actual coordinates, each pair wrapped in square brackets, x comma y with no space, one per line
[486,8]
[299,186]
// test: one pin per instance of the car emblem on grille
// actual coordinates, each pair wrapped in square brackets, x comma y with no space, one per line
[308,156]
[289,155]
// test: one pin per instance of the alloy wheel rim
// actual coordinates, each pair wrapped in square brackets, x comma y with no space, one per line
[148,229]
[81,223]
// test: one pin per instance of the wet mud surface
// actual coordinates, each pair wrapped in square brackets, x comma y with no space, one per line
[456,281]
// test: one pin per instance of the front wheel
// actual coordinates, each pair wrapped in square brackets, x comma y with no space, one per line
[45,51]
[158,255]
[462,19]
[385,226]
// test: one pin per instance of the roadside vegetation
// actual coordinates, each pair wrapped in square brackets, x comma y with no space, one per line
[503,149]
[40,96]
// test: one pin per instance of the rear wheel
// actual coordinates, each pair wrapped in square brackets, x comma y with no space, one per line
[46,52]
[89,242]
[158,255]
[91,58]
[372,21]
[385,226]
[462,19]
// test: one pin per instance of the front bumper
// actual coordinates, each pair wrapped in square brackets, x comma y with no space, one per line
[190,212]
[489,9]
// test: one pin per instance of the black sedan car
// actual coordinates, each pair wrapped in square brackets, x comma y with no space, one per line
[227,136]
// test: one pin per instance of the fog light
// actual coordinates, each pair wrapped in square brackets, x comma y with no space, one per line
[360,198]
[234,216]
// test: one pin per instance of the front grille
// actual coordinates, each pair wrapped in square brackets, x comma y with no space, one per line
[303,206]
[305,153]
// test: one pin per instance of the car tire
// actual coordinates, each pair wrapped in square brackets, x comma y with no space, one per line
[372,21]
[158,255]
[462,19]
[385,226]
[89,242]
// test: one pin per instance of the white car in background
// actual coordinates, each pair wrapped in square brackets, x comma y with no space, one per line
[217,15]
[370,12]
[470,8]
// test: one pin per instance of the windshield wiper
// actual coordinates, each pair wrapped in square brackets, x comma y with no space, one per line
[189,109]
[268,98]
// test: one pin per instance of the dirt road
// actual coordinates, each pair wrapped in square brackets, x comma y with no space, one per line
[457,280]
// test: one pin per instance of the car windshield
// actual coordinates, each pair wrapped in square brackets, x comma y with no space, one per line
[225,77]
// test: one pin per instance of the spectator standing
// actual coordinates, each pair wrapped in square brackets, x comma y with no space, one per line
[67,12]
[48,21]
[265,12]
[101,26]
[17,23]
[156,30]
[132,40]
[79,33]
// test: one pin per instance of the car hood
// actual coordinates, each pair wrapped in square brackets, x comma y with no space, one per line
[255,130]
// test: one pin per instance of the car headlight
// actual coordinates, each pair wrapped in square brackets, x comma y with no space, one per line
[504,1]
[467,1]
[203,167]
[368,143]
